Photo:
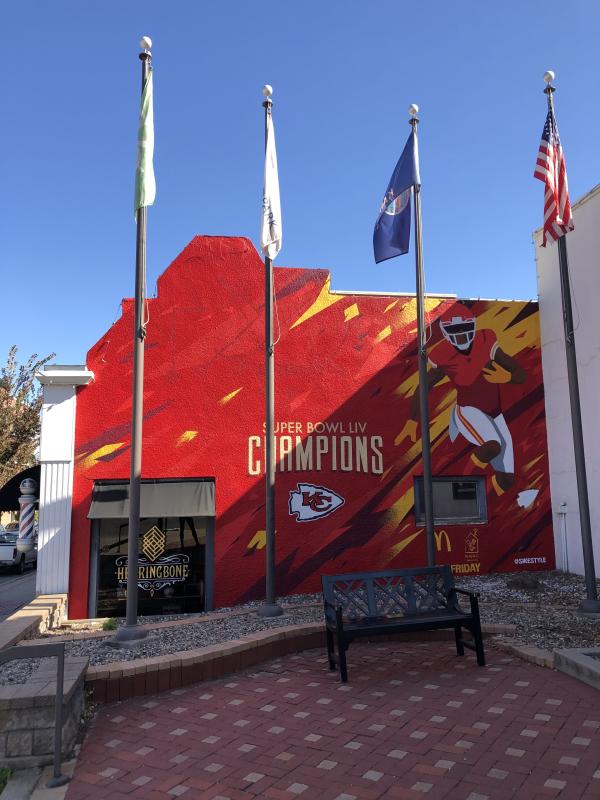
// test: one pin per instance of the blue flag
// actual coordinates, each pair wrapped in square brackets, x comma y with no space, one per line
[392,230]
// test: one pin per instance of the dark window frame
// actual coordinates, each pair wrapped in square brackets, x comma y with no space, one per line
[209,548]
[481,498]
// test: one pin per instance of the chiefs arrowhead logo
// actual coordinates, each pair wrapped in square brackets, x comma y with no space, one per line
[310,502]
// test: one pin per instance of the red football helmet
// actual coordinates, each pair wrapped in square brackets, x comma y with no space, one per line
[458,326]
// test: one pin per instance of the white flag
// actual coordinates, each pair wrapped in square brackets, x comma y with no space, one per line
[270,229]
[145,184]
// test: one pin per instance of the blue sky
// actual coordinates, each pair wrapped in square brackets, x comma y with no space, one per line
[344,73]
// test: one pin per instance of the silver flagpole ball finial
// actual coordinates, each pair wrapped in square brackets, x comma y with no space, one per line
[413,110]
[267,90]
[548,76]
[146,43]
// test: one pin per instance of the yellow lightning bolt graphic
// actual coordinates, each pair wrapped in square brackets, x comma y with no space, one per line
[536,480]
[258,541]
[402,506]
[384,334]
[323,301]
[105,450]
[224,400]
[532,463]
[525,333]
[390,306]
[186,436]
[398,548]
[350,312]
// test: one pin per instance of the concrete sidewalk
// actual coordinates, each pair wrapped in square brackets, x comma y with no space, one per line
[414,722]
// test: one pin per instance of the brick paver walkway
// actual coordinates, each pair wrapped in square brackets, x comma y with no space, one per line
[414,721]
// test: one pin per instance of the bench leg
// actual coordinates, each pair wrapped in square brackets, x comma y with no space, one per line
[342,656]
[330,649]
[479,647]
[460,650]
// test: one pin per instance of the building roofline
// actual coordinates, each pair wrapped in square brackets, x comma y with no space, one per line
[389,294]
[64,375]
[436,295]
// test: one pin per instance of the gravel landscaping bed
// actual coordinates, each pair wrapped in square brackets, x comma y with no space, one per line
[545,614]
[554,588]
[187,637]
[542,606]
[93,626]
[20,671]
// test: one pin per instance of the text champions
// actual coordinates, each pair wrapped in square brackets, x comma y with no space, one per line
[318,453]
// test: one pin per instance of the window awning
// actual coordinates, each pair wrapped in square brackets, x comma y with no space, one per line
[164,498]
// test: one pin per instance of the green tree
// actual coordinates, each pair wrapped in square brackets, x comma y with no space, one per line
[20,404]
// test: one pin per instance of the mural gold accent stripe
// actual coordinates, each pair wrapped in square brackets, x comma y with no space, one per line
[408,312]
[403,543]
[224,400]
[384,334]
[350,312]
[258,541]
[390,306]
[186,436]
[409,386]
[386,473]
[438,425]
[105,450]
[323,301]
[533,463]
[401,507]
[447,400]
[513,340]
[536,480]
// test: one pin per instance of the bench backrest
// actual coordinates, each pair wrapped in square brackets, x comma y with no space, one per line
[389,593]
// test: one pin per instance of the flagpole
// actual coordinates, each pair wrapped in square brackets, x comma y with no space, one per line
[591,605]
[130,634]
[422,355]
[269,607]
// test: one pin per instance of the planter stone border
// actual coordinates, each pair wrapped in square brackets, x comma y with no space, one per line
[117,681]
[42,613]
[535,655]
[27,714]
[580,663]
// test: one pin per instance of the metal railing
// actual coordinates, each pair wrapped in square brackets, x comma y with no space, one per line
[47,651]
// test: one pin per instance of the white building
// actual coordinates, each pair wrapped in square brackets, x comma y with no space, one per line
[583,246]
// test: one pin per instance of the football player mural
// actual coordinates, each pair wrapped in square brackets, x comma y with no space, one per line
[475,363]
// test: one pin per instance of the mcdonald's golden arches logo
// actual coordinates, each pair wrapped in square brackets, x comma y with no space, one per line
[439,536]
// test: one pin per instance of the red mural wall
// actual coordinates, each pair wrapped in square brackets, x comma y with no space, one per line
[346,373]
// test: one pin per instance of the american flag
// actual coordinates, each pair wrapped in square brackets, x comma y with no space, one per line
[550,168]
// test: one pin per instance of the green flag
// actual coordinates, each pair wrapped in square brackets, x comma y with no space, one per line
[145,184]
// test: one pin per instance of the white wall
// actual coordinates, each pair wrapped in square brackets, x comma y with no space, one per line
[583,246]
[56,489]
[57,441]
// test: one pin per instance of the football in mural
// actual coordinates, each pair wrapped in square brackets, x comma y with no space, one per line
[347,429]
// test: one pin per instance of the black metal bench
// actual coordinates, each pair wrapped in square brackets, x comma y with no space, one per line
[403,600]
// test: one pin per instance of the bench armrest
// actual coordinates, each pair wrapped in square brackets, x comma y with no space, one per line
[473,598]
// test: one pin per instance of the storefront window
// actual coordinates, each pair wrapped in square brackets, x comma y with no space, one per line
[170,570]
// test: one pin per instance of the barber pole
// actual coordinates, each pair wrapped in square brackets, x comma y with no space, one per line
[27,502]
